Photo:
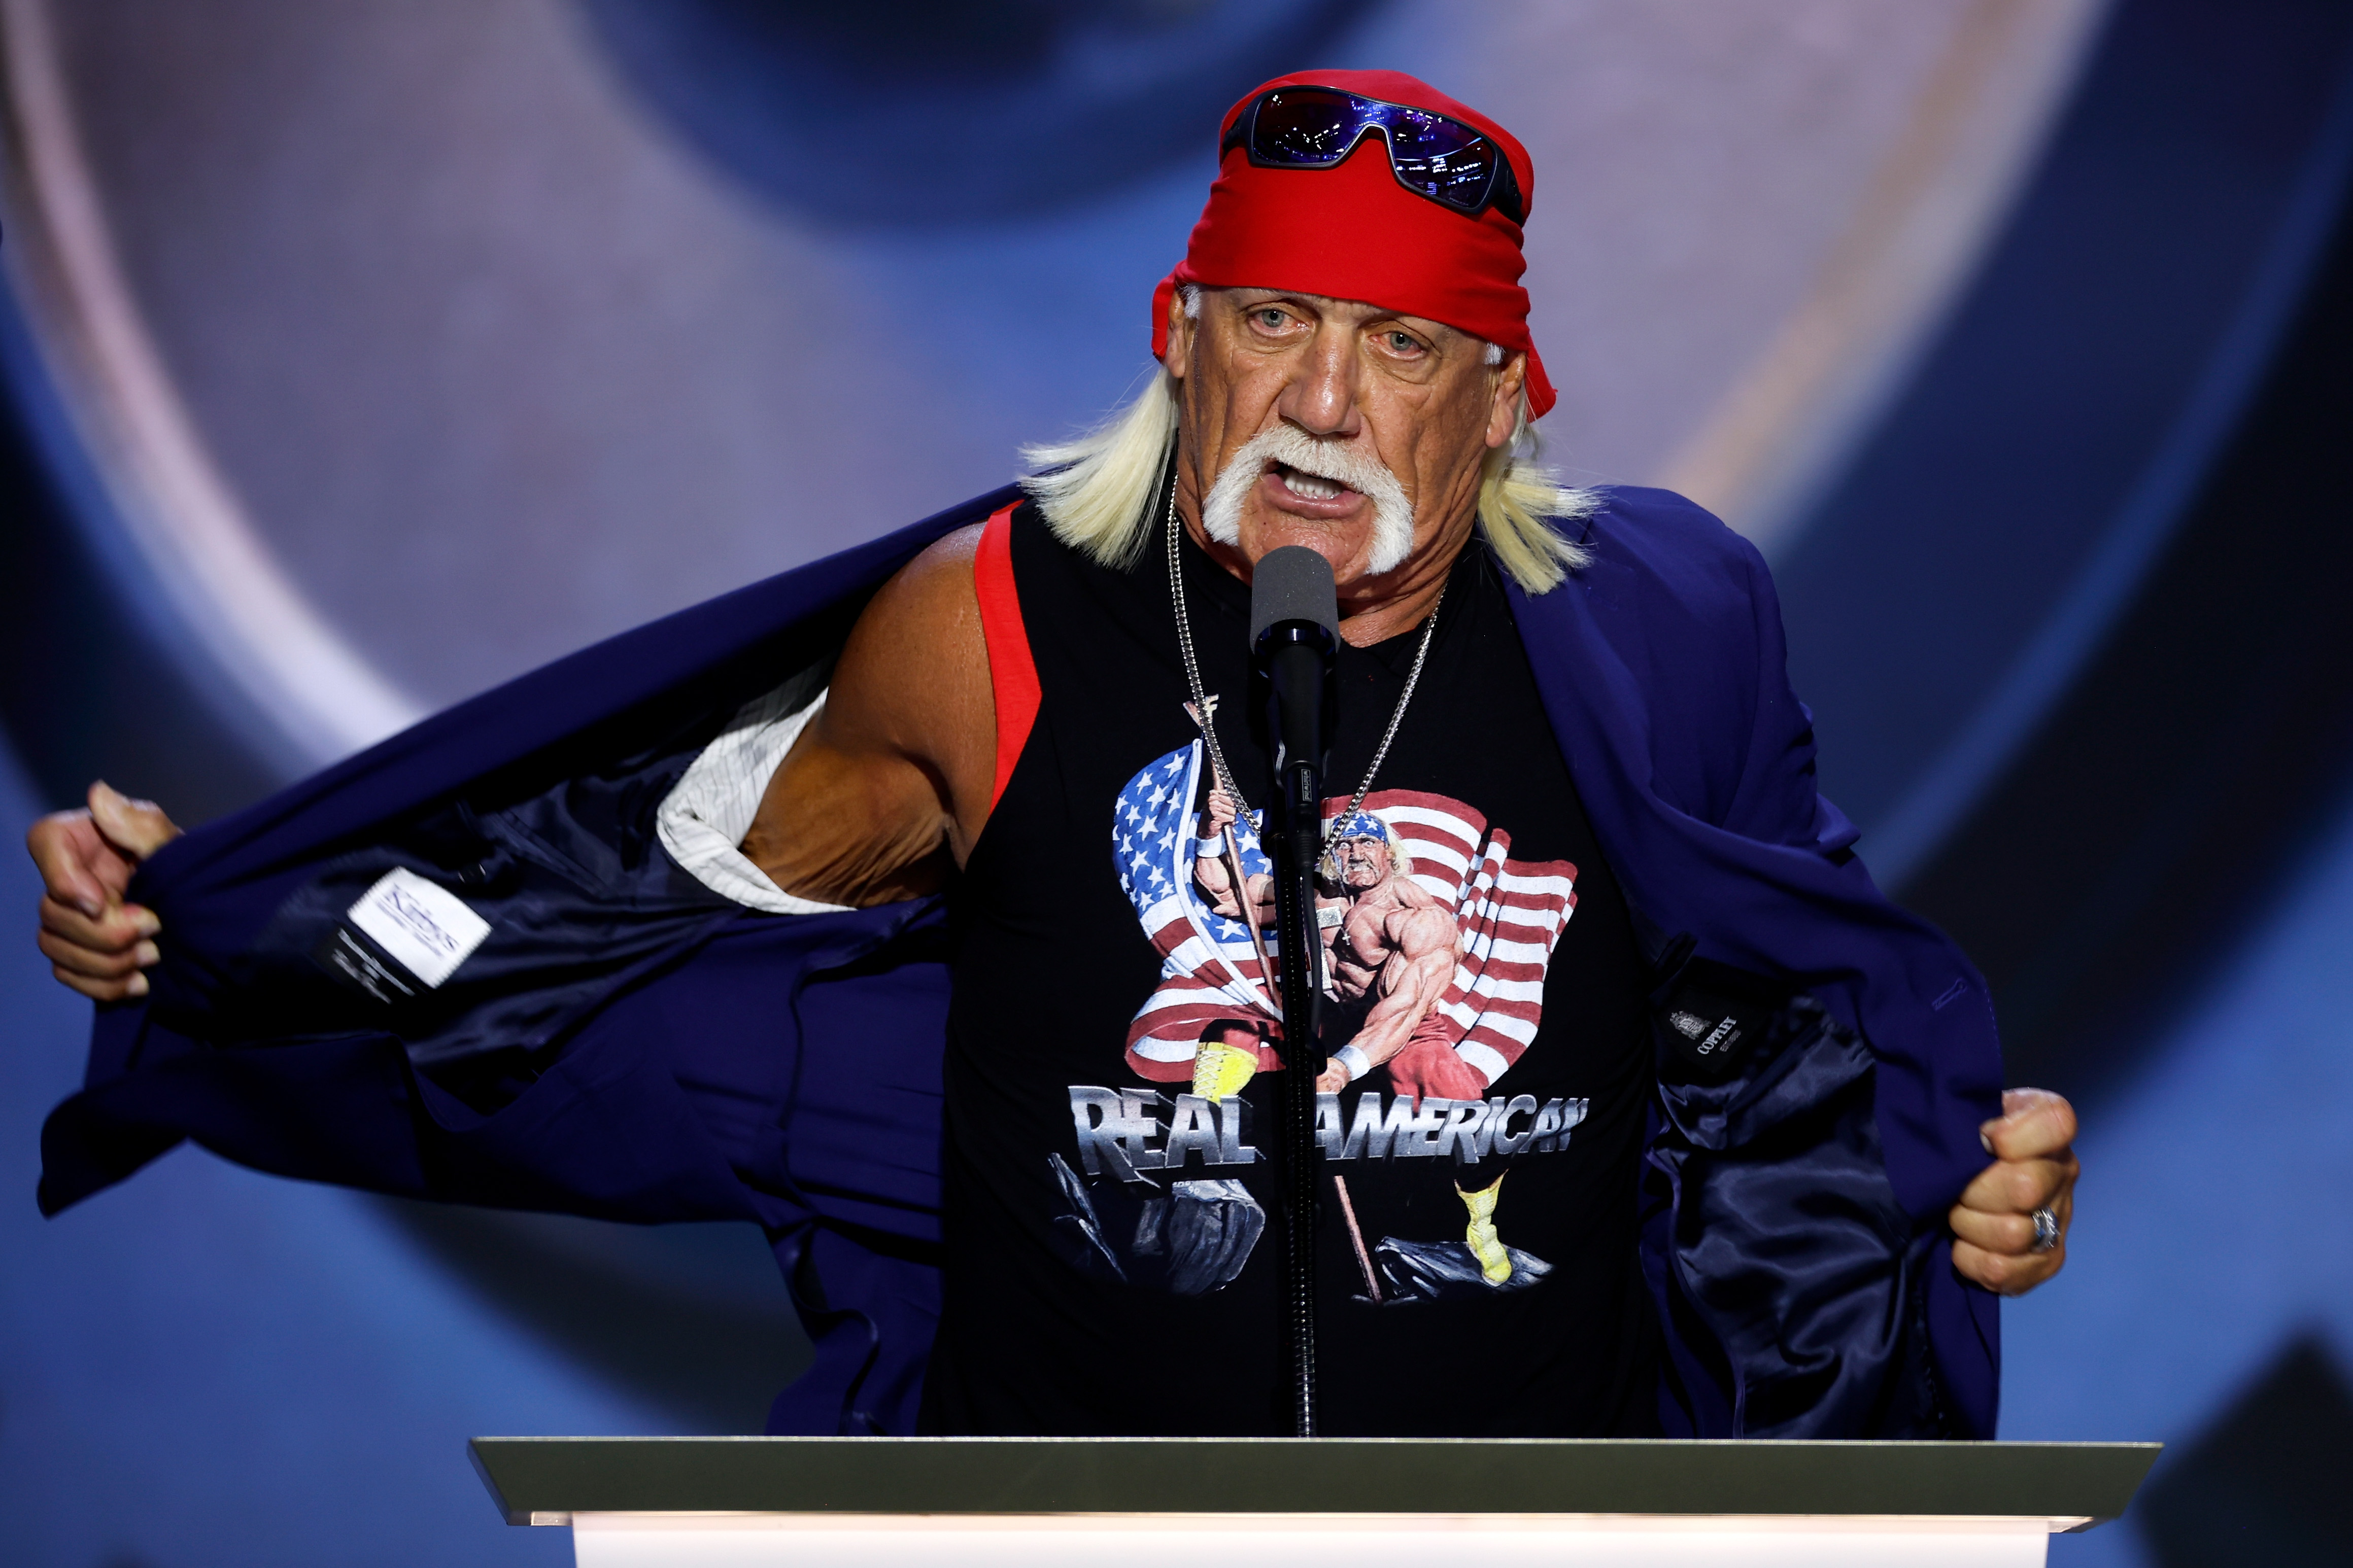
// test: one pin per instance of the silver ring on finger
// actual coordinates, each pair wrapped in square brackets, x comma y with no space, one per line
[2046,1230]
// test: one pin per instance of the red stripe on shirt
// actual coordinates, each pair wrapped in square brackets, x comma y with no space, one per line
[1012,673]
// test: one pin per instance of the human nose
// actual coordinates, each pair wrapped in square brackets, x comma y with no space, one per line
[1321,397]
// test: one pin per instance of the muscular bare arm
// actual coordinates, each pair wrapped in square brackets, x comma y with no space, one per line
[889,786]
[880,796]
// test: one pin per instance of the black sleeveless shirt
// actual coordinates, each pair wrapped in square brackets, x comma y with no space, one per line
[1110,1267]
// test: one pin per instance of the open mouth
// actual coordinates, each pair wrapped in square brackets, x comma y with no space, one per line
[1307,486]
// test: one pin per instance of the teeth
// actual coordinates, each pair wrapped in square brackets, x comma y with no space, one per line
[1313,487]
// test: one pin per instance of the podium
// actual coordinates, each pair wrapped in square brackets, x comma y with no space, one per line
[1218,1502]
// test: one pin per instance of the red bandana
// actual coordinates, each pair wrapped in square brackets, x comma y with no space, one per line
[1353,233]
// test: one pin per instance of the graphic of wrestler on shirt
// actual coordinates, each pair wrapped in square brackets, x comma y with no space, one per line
[1434,948]
[1390,946]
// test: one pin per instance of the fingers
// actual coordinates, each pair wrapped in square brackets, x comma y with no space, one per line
[77,868]
[2004,1273]
[114,930]
[96,944]
[1993,1224]
[102,989]
[101,977]
[86,857]
[2019,1186]
[136,827]
[2003,1233]
[96,963]
[2033,1122]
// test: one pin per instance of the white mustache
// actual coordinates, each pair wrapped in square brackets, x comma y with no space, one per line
[1221,512]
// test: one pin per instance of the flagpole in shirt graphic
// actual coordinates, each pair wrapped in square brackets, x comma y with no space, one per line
[1233,854]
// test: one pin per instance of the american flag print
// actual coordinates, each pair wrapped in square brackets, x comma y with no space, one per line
[1209,968]
[1508,916]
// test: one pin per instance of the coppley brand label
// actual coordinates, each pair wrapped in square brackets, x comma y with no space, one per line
[427,930]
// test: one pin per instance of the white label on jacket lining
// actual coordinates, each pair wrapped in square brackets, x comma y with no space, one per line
[427,928]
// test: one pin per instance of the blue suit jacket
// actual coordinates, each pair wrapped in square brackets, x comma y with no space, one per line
[626,1044]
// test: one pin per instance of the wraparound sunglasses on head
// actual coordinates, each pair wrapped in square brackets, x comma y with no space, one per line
[1432,155]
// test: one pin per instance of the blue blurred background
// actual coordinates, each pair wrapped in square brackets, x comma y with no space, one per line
[361,356]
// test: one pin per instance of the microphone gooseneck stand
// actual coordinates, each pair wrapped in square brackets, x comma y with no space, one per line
[1294,624]
[1297,844]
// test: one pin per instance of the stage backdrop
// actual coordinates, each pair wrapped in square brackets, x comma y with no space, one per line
[362,356]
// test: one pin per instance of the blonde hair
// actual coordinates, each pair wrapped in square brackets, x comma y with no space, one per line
[1094,490]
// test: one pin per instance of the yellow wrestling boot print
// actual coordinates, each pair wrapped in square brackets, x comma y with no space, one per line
[1219,1071]
[1493,1261]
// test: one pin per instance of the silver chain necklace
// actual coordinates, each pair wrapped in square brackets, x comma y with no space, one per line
[1204,715]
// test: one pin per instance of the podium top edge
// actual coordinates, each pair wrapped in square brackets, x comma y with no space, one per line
[1794,1445]
[549,1476]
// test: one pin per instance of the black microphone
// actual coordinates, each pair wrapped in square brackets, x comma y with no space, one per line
[1294,631]
[1294,634]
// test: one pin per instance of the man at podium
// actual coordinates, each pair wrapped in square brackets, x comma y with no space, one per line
[912,905]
